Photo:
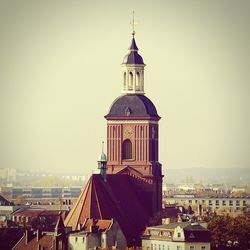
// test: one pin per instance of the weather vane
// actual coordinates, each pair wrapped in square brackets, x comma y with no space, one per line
[133,23]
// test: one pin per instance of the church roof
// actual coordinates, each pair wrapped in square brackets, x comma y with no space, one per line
[133,57]
[115,199]
[132,106]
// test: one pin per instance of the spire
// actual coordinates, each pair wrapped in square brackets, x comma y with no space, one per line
[102,164]
[133,46]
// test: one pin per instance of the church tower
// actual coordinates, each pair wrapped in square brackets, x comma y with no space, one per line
[133,131]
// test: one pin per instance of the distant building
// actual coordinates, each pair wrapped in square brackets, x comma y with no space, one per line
[104,234]
[30,193]
[230,204]
[8,175]
[176,236]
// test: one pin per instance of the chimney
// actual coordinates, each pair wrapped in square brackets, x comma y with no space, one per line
[200,210]
[27,236]
[38,234]
[93,227]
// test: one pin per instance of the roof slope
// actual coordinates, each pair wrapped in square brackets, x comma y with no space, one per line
[117,199]
[139,105]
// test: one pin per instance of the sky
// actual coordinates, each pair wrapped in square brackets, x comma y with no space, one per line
[60,70]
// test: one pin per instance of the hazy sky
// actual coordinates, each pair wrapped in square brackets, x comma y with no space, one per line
[60,71]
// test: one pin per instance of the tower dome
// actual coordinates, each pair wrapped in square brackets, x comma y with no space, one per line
[102,157]
[133,106]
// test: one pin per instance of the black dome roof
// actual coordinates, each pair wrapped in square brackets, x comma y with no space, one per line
[132,106]
[133,57]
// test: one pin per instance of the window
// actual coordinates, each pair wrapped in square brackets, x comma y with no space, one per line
[124,80]
[244,203]
[76,239]
[203,201]
[230,203]
[130,81]
[178,248]
[137,79]
[210,203]
[217,202]
[237,203]
[190,201]
[203,248]
[126,150]
[223,203]
[178,235]
[192,248]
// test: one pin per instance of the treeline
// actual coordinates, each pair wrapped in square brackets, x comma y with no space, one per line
[230,233]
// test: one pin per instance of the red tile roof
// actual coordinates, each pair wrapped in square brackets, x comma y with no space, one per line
[103,225]
[117,198]
[45,241]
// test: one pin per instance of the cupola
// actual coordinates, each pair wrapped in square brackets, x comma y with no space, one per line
[133,70]
[102,164]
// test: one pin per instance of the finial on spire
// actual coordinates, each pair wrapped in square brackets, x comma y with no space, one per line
[102,146]
[133,24]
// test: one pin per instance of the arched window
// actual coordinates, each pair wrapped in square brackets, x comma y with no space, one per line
[137,80]
[130,81]
[124,80]
[126,150]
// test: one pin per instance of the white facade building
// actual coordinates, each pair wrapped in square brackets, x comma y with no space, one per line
[231,204]
[105,234]
[176,236]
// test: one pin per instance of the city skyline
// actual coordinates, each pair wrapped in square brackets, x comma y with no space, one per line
[61,71]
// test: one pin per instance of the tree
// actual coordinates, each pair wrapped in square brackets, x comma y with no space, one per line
[228,231]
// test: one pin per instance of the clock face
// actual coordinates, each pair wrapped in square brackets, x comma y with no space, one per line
[128,132]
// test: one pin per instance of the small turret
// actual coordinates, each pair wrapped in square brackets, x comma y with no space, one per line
[102,164]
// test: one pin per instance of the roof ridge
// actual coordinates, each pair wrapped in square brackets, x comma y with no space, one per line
[72,212]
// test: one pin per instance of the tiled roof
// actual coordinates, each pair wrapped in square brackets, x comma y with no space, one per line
[194,232]
[4,202]
[117,198]
[140,106]
[185,225]
[31,212]
[46,242]
[103,225]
